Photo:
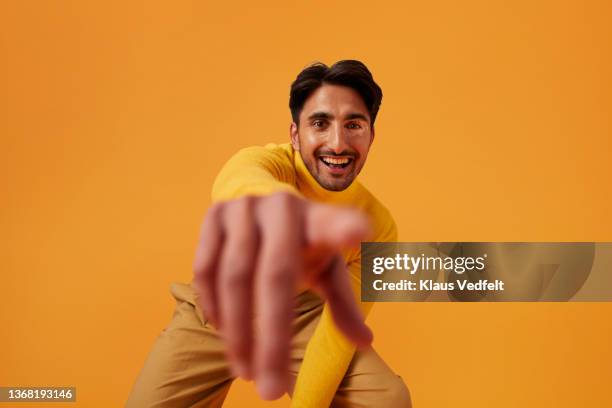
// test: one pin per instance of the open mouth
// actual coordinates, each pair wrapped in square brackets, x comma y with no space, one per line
[335,162]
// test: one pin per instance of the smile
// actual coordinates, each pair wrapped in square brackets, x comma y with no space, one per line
[336,162]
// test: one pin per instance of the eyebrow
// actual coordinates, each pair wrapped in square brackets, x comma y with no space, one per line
[328,116]
[320,115]
[356,115]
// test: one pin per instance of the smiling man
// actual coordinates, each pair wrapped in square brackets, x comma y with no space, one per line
[274,297]
[333,156]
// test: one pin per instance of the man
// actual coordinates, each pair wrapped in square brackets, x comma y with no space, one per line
[286,223]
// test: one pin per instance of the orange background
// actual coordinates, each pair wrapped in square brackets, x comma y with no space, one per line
[115,118]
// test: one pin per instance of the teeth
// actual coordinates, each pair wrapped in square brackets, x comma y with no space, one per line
[333,160]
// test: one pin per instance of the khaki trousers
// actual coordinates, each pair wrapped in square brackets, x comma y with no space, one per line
[187,366]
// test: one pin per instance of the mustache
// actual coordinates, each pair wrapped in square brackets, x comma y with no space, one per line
[344,153]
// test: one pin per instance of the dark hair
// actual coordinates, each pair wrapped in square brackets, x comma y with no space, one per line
[351,73]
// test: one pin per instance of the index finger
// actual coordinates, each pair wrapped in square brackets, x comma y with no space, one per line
[334,227]
[336,289]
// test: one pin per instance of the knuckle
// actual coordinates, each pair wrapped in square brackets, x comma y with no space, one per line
[246,201]
[238,344]
[215,210]
[197,271]
[201,277]
[275,209]
[202,272]
[210,222]
[280,275]
[242,240]
[237,275]
[238,214]
[278,257]
[282,200]
[240,265]
[275,353]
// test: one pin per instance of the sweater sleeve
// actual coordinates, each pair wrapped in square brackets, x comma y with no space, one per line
[329,352]
[255,171]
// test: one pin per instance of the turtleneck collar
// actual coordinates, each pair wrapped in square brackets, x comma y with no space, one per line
[311,188]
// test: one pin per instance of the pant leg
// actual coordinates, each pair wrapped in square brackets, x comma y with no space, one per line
[186,366]
[368,383]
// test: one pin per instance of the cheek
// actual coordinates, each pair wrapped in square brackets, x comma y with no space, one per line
[310,141]
[362,145]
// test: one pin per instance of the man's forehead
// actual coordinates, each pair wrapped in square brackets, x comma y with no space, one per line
[334,100]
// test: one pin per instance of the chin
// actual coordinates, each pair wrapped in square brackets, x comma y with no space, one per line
[335,186]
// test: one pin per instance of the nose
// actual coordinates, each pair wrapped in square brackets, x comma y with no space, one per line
[337,139]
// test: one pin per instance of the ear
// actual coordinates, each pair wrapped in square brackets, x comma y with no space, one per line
[293,134]
[372,136]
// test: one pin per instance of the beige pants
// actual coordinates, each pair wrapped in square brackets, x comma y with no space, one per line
[187,365]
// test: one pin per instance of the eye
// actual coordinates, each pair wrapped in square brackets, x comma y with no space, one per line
[354,125]
[318,123]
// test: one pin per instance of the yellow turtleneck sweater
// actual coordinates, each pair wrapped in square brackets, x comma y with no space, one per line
[273,168]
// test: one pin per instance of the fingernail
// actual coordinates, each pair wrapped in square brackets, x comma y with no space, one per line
[271,386]
[241,370]
[365,338]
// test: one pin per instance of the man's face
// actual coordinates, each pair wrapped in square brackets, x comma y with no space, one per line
[334,135]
